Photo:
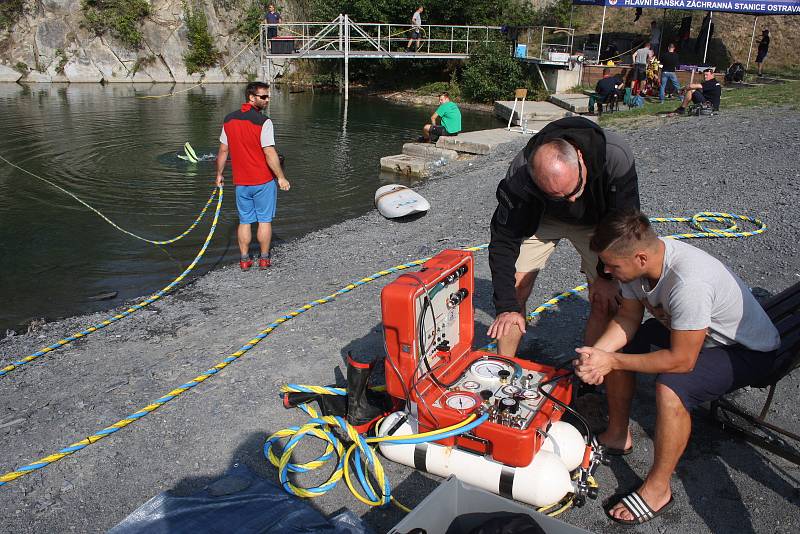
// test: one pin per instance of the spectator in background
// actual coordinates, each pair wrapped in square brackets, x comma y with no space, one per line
[708,91]
[763,48]
[669,62]
[273,18]
[640,66]
[606,89]
[450,117]
[655,37]
[416,28]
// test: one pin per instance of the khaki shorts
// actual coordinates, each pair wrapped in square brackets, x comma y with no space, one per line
[535,250]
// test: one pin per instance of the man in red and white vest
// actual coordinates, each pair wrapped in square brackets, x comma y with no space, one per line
[249,137]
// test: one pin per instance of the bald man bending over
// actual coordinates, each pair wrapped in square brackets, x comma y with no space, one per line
[568,177]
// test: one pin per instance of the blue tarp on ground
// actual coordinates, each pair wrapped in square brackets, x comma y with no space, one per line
[241,502]
[750,7]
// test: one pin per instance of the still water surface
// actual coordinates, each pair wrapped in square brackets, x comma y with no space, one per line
[118,153]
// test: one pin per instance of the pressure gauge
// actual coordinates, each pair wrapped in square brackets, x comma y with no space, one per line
[510,390]
[488,369]
[462,402]
[470,385]
[531,394]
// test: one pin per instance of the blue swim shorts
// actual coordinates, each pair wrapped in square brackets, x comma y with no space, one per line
[256,202]
[717,371]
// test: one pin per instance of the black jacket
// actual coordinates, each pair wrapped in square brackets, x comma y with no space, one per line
[611,183]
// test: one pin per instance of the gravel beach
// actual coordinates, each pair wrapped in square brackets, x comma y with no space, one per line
[744,162]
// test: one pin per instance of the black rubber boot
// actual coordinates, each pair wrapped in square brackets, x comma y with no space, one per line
[363,405]
[328,404]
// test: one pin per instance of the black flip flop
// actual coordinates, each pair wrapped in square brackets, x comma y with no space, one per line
[638,508]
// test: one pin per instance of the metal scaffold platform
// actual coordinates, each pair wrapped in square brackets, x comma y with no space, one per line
[345,39]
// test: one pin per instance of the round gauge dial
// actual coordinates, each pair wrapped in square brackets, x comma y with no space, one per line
[470,385]
[463,402]
[531,394]
[489,369]
[510,390]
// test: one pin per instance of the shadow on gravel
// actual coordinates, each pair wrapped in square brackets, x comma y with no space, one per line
[246,496]
[248,452]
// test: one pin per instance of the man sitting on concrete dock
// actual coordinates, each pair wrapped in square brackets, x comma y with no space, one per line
[450,117]
[710,334]
[568,177]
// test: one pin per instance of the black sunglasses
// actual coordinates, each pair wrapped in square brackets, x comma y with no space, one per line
[574,191]
[262,97]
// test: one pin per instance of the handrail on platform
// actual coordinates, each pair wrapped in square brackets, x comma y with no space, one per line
[343,38]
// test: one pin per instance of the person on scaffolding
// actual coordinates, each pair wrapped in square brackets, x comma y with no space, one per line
[569,175]
[450,117]
[710,336]
[272,18]
[416,29]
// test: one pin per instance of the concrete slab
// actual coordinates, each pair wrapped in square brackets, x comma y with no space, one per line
[481,142]
[429,151]
[406,165]
[534,111]
[575,102]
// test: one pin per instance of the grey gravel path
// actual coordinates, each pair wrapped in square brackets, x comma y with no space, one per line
[744,162]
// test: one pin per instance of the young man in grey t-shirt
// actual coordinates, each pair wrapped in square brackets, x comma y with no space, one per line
[711,335]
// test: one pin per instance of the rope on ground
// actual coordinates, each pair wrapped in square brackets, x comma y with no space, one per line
[136,307]
[359,454]
[695,220]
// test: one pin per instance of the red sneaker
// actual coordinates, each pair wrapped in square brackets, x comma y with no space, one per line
[264,263]
[245,265]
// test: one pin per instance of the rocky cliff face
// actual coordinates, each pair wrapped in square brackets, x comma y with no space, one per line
[48,44]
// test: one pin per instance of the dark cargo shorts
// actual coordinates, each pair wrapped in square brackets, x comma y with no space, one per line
[718,370]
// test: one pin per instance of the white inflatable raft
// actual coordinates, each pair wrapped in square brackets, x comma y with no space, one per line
[397,200]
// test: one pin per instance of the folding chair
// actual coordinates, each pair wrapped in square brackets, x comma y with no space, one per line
[519,95]
[784,311]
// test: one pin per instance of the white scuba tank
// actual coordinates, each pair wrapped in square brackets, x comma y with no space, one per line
[546,480]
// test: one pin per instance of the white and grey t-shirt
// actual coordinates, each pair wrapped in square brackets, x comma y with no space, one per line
[698,291]
[416,21]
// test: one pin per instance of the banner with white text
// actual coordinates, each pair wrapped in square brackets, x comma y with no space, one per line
[754,7]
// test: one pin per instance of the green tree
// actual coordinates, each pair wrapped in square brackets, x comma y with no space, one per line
[251,20]
[122,18]
[10,10]
[201,54]
[491,73]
